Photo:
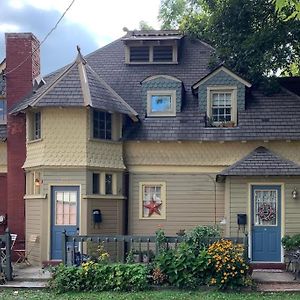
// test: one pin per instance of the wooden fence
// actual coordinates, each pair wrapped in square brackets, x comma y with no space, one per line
[122,247]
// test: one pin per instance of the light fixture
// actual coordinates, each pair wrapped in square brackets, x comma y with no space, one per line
[294,194]
[37,182]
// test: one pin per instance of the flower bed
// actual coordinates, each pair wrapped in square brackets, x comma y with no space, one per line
[193,263]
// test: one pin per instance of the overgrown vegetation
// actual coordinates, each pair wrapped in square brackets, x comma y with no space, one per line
[198,260]
[252,37]
[290,243]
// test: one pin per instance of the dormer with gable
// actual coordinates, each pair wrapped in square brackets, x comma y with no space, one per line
[221,96]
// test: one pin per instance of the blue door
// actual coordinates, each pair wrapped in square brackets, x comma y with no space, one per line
[266,223]
[64,215]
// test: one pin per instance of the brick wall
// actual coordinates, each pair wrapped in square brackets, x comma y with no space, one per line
[19,46]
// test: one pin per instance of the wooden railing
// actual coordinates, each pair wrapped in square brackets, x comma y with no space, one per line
[5,256]
[120,247]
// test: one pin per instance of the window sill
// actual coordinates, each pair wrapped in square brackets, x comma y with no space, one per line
[105,141]
[153,63]
[215,128]
[34,141]
[38,196]
[104,197]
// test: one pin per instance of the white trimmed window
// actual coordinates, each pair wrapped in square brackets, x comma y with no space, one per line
[2,111]
[152,200]
[161,103]
[222,105]
[34,126]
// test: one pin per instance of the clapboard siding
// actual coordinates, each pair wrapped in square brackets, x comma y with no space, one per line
[190,202]
[112,216]
[239,200]
[34,222]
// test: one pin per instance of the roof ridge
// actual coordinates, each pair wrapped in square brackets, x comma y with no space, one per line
[55,81]
[107,86]
[259,149]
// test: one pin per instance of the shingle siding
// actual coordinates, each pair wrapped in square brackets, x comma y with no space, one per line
[220,79]
[161,84]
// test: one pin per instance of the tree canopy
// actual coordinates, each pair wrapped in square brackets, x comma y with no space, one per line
[251,37]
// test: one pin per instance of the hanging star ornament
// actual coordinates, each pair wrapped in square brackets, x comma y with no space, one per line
[154,207]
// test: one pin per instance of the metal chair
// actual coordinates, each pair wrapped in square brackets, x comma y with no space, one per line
[23,254]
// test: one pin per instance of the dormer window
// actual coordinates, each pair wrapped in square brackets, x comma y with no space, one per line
[222,105]
[139,54]
[151,54]
[161,103]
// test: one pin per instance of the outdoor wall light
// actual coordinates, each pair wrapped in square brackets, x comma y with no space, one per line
[294,194]
[37,182]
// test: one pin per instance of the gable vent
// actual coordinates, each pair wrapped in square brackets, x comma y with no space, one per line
[139,54]
[162,53]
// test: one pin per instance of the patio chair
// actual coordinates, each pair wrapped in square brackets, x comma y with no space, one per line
[23,255]
[3,249]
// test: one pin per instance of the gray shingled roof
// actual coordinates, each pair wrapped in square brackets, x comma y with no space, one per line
[262,162]
[3,132]
[272,117]
[77,85]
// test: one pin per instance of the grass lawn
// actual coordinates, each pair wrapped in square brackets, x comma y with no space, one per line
[152,295]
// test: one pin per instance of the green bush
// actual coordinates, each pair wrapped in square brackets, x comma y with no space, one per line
[291,242]
[201,236]
[93,276]
[182,267]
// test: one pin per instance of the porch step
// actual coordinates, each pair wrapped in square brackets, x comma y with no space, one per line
[24,285]
[272,280]
[51,263]
[275,287]
[267,266]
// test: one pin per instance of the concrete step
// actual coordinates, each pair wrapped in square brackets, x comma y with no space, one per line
[24,285]
[278,287]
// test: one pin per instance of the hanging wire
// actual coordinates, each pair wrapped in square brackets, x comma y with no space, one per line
[45,38]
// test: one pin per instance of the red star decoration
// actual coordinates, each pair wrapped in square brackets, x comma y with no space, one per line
[153,207]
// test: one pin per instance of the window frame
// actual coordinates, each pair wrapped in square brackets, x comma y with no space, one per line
[151,51]
[112,183]
[93,112]
[37,126]
[222,89]
[4,119]
[163,199]
[171,113]
[96,189]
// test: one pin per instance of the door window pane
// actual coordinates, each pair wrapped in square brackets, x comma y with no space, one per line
[66,208]
[265,207]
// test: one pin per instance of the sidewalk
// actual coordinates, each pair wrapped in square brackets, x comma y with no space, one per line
[28,277]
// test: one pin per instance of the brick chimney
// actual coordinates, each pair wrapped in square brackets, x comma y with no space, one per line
[19,82]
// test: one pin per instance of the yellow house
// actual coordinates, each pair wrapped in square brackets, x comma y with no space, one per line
[140,133]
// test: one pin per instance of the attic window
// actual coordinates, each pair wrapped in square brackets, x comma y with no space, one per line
[222,106]
[139,54]
[152,54]
[162,53]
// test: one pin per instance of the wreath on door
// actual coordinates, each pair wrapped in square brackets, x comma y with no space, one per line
[266,212]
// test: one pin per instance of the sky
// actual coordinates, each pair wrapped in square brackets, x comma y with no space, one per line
[90,24]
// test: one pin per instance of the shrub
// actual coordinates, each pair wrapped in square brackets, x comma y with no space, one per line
[201,236]
[291,242]
[182,267]
[227,265]
[93,276]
